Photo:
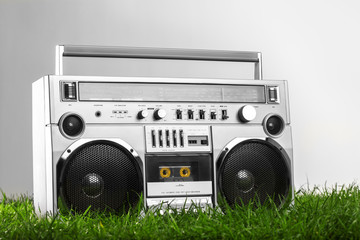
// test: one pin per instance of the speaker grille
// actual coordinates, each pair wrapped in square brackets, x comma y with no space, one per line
[254,170]
[100,174]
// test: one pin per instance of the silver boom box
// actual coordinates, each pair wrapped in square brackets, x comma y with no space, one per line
[105,141]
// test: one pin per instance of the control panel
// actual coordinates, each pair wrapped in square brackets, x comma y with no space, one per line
[183,138]
[171,113]
[176,104]
[187,113]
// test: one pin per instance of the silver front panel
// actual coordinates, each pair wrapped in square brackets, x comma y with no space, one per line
[119,119]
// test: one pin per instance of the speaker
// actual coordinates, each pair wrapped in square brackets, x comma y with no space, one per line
[78,164]
[104,174]
[254,170]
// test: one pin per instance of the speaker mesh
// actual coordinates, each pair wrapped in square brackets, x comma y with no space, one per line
[254,170]
[103,175]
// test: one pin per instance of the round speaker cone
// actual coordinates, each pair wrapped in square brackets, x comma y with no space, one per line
[254,170]
[274,125]
[92,185]
[244,181]
[101,174]
[72,125]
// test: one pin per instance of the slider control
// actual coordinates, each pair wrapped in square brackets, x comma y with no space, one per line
[174,138]
[153,138]
[161,140]
[167,137]
[181,132]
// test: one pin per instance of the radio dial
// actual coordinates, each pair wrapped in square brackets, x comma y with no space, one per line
[143,114]
[247,113]
[159,114]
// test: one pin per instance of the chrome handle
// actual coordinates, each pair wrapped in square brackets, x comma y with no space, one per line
[157,53]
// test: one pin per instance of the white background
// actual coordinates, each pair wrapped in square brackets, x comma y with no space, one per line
[313,44]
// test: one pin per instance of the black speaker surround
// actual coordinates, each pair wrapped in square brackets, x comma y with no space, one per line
[256,170]
[101,174]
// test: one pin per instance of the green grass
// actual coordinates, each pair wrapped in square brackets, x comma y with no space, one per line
[316,214]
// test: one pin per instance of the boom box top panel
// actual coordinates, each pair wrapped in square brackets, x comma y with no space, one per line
[181,100]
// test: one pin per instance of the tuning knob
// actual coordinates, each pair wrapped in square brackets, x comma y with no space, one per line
[247,113]
[142,114]
[159,114]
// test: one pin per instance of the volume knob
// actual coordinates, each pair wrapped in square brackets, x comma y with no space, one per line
[159,114]
[247,113]
[142,114]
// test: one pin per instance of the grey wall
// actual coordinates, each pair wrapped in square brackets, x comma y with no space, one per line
[312,44]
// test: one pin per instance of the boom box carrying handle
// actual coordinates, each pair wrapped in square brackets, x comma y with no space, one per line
[157,53]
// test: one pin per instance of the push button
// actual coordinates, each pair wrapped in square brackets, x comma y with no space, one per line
[190,114]
[213,114]
[224,115]
[178,114]
[201,114]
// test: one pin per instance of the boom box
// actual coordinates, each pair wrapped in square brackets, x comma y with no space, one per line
[103,142]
